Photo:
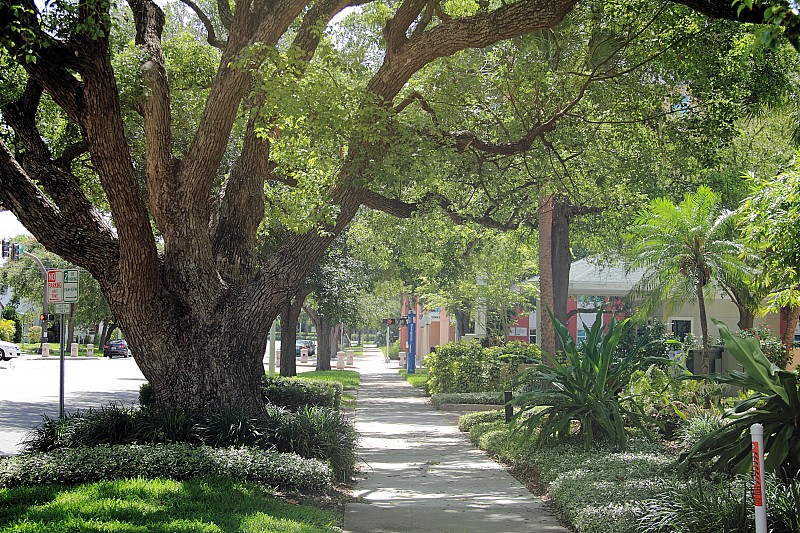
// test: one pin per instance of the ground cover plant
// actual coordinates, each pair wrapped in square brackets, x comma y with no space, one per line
[207,505]
[283,471]
[598,487]
[477,398]
[312,432]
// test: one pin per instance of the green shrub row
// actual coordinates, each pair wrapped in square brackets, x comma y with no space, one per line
[312,432]
[466,366]
[468,420]
[296,393]
[292,393]
[477,398]
[282,471]
[638,491]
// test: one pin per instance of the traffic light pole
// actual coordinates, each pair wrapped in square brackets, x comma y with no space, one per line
[44,297]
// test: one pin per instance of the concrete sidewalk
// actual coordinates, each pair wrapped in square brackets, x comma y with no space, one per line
[419,473]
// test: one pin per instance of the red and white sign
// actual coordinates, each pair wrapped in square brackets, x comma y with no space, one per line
[55,286]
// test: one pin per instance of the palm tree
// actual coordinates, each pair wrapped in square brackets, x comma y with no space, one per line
[685,250]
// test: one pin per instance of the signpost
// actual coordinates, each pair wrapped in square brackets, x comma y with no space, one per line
[62,292]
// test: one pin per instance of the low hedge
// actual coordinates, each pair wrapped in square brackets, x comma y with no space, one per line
[596,490]
[282,471]
[478,398]
[468,420]
[296,393]
[312,432]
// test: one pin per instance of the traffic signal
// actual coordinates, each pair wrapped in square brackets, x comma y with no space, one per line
[6,249]
[391,321]
[18,251]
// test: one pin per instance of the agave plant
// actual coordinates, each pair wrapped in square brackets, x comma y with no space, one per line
[584,389]
[775,404]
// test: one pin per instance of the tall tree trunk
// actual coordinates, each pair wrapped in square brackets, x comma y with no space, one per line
[324,349]
[555,260]
[334,345]
[792,315]
[289,317]
[323,338]
[701,306]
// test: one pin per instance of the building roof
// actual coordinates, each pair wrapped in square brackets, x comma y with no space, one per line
[590,277]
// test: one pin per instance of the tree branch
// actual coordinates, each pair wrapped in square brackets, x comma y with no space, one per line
[211,34]
[67,225]
[404,56]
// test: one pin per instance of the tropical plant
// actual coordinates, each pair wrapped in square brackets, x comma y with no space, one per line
[775,404]
[586,387]
[685,251]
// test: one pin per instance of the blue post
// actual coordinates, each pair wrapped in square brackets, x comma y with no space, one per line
[411,365]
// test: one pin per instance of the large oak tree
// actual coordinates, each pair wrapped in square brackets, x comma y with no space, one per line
[181,262]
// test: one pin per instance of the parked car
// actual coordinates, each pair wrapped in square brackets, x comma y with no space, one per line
[118,348]
[304,343]
[8,350]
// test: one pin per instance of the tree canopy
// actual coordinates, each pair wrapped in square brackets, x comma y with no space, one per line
[199,159]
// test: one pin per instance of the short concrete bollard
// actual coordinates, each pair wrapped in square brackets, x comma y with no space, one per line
[304,355]
[45,349]
[340,355]
[350,355]
[402,359]
[73,349]
[90,350]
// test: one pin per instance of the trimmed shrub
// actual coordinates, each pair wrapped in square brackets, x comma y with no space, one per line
[282,471]
[477,398]
[296,393]
[312,432]
[146,396]
[465,422]
[466,366]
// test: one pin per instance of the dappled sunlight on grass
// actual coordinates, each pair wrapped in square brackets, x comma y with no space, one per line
[134,505]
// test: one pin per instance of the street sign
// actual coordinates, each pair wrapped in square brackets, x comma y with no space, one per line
[62,286]
[71,285]
[61,308]
[55,286]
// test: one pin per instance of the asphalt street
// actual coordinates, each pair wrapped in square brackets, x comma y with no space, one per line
[29,388]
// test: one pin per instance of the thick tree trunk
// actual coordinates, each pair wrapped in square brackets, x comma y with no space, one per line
[323,344]
[746,317]
[555,260]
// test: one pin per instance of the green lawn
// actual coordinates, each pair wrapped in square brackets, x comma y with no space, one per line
[418,378]
[141,505]
[350,379]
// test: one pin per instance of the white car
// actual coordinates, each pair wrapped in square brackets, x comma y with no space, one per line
[8,350]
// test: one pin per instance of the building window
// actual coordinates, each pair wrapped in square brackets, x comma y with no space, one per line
[581,337]
[681,328]
[532,336]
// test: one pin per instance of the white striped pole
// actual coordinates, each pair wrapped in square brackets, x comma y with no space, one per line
[759,499]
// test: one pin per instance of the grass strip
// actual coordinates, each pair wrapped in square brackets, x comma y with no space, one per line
[418,379]
[350,379]
[159,505]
